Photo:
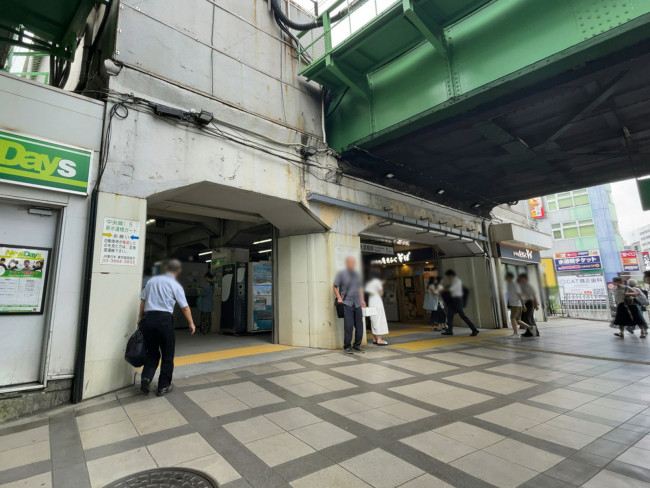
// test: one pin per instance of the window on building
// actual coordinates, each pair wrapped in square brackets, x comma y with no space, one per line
[572,230]
[568,199]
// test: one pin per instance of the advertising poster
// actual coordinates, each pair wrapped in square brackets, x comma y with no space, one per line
[630,261]
[646,260]
[588,286]
[577,261]
[23,272]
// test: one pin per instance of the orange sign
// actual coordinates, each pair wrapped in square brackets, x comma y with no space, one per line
[536,207]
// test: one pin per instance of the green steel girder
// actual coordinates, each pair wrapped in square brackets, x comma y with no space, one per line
[55,25]
[421,67]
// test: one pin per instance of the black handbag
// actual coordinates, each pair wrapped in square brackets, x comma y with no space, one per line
[339,309]
[136,350]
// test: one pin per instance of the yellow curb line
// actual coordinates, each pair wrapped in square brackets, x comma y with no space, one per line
[206,357]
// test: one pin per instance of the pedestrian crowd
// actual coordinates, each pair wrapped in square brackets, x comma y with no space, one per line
[444,299]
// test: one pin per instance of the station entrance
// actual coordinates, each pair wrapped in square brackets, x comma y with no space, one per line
[406,257]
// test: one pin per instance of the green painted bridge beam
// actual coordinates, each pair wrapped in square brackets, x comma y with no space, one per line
[347,79]
[398,82]
[431,31]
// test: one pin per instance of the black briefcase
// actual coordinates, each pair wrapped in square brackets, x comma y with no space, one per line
[136,350]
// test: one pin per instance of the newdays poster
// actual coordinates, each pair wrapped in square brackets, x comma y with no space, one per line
[22,278]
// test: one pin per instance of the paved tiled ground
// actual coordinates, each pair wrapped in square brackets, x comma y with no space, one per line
[479,414]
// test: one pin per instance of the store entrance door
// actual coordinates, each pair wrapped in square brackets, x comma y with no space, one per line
[27,241]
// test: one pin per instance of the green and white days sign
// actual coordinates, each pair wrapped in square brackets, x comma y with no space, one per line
[34,162]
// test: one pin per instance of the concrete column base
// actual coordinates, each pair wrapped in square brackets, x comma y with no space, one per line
[307,265]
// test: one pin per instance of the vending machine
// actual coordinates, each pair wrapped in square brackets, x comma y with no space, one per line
[260,296]
[234,298]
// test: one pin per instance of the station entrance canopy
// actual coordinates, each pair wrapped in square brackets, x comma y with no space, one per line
[477,103]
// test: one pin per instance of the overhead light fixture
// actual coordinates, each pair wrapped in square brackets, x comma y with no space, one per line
[151,221]
[262,242]
[265,251]
[436,232]
[205,253]
[384,224]
[204,117]
[476,205]
[440,191]
[390,175]
[208,260]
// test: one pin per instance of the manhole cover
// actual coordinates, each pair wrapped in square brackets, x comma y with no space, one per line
[165,478]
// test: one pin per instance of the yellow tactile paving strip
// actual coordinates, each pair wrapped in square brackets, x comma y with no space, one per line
[410,330]
[206,357]
[446,341]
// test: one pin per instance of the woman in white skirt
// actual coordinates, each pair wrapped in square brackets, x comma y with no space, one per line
[378,322]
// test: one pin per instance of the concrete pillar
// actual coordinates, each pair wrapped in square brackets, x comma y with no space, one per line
[307,265]
[474,273]
[114,302]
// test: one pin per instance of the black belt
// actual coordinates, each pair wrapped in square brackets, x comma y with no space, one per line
[157,312]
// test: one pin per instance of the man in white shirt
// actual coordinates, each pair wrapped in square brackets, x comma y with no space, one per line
[530,302]
[455,296]
[156,322]
[516,304]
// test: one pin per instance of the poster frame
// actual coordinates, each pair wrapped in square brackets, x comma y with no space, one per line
[45,281]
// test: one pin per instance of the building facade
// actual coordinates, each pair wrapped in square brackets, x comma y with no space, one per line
[214,153]
[587,244]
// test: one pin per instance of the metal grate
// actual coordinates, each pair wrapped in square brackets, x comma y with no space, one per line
[165,478]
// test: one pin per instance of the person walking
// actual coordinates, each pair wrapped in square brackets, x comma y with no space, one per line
[206,304]
[455,293]
[638,307]
[531,304]
[349,293]
[378,322]
[516,304]
[157,325]
[626,314]
[433,304]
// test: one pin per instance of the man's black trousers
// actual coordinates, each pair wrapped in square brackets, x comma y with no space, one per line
[352,320]
[158,331]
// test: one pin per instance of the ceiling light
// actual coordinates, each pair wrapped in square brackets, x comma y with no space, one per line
[204,117]
[205,253]
[440,191]
[476,205]
[265,251]
[384,224]
[151,221]
[262,242]
[390,175]
[208,260]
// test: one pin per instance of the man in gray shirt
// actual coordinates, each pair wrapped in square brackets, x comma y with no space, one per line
[156,322]
[349,292]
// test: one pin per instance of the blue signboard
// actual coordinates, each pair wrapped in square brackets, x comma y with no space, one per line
[577,261]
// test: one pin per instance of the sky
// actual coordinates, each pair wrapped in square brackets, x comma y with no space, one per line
[628,206]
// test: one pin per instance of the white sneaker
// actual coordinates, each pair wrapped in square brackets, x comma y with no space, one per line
[513,336]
